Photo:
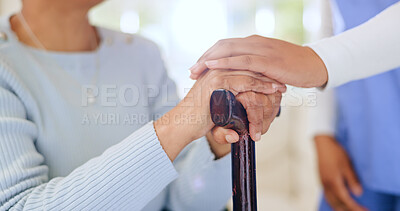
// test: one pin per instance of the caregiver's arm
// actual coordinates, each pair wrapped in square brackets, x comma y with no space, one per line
[368,49]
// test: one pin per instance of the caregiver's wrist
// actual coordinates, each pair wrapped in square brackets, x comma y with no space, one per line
[319,70]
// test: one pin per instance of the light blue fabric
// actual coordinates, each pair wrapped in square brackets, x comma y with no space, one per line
[369,112]
[59,153]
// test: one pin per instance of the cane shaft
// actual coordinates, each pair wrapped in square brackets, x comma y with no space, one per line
[244,174]
[229,113]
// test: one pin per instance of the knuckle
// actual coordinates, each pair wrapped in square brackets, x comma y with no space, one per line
[210,73]
[242,98]
[252,100]
[247,60]
[253,95]
[254,36]
[204,57]
[220,42]
[215,79]
[213,73]
[251,82]
[225,43]
[224,82]
[245,100]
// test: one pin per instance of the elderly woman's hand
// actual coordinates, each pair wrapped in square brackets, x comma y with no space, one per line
[261,111]
[191,119]
[282,61]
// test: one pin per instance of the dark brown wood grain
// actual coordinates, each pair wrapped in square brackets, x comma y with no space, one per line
[227,112]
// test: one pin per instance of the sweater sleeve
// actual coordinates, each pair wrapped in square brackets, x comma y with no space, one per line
[366,50]
[125,177]
[203,183]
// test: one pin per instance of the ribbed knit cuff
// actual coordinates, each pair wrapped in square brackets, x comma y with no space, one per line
[126,176]
[204,154]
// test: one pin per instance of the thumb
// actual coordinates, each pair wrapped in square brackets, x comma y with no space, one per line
[224,136]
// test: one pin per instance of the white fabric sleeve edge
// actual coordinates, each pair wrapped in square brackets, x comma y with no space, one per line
[366,50]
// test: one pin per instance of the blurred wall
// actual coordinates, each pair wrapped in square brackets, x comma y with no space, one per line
[8,6]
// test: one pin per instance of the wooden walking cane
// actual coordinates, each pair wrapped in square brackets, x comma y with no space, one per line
[227,112]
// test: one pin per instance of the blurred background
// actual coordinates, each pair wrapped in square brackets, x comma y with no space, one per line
[184,29]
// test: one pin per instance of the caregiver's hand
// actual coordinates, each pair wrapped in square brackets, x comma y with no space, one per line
[337,174]
[191,119]
[279,60]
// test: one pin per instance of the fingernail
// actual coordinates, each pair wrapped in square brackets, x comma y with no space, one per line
[193,67]
[275,87]
[229,139]
[211,63]
[258,136]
